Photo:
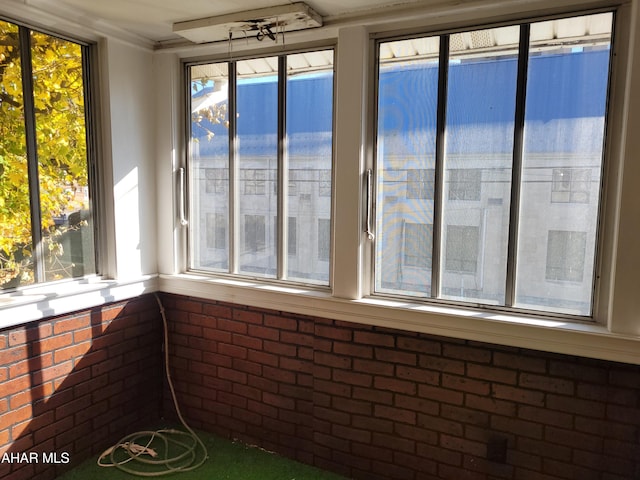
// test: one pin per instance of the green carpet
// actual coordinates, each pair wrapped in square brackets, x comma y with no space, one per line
[227,461]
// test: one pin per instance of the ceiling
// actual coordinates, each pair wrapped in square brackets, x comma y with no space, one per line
[153,19]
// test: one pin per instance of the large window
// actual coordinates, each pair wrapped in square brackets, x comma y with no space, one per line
[506,119]
[46,220]
[260,164]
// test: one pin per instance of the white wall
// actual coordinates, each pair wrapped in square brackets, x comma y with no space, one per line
[128,108]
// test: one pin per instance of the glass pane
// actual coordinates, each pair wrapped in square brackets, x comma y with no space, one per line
[67,220]
[16,265]
[309,139]
[257,111]
[209,167]
[407,114]
[562,165]
[481,95]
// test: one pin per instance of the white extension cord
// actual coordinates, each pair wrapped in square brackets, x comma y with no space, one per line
[136,447]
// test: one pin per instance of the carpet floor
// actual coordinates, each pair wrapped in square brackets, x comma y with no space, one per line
[226,461]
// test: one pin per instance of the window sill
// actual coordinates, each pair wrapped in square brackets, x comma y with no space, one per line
[41,301]
[551,335]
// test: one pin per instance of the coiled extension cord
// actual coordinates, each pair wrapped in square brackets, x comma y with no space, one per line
[134,453]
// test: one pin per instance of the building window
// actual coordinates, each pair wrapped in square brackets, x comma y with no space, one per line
[465,184]
[250,121]
[565,255]
[46,195]
[216,231]
[324,235]
[461,253]
[420,183]
[418,241]
[494,113]
[254,234]
[571,185]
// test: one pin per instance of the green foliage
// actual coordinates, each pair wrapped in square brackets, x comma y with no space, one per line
[58,97]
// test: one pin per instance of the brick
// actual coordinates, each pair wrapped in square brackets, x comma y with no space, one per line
[521,428]
[396,414]
[395,385]
[520,362]
[470,354]
[440,394]
[331,360]
[442,364]
[490,405]
[417,404]
[418,375]
[13,355]
[576,406]
[372,395]
[466,384]
[396,357]
[352,378]
[519,395]
[492,374]
[217,311]
[462,445]
[71,324]
[373,338]
[373,367]
[419,345]
[571,438]
[353,350]
[247,316]
[333,333]
[547,384]
[232,326]
[545,416]
[352,434]
[77,350]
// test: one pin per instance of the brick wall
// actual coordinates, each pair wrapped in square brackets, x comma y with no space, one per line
[70,386]
[377,403]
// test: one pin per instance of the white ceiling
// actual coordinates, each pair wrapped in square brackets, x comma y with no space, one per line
[153,19]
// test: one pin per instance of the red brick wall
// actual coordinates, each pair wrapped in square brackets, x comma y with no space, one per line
[73,385]
[377,403]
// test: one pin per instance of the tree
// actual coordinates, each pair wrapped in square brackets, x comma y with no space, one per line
[60,136]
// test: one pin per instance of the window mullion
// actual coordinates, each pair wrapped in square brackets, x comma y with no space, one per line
[516,172]
[443,71]
[32,153]
[234,191]
[283,171]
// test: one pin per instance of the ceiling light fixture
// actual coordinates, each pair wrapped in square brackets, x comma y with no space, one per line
[264,22]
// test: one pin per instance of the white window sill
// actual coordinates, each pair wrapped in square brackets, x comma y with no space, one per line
[58,298]
[552,335]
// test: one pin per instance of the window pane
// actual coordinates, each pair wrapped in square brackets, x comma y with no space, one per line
[209,167]
[257,139]
[309,140]
[67,222]
[407,114]
[562,163]
[16,265]
[481,98]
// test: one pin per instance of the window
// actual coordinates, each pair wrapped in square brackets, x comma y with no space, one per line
[462,249]
[46,214]
[418,240]
[420,183]
[570,185]
[465,184]
[216,230]
[565,255]
[251,125]
[324,233]
[501,117]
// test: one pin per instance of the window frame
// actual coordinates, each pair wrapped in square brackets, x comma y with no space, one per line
[598,304]
[89,63]
[283,250]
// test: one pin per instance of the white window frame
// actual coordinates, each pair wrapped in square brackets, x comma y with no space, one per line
[616,331]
